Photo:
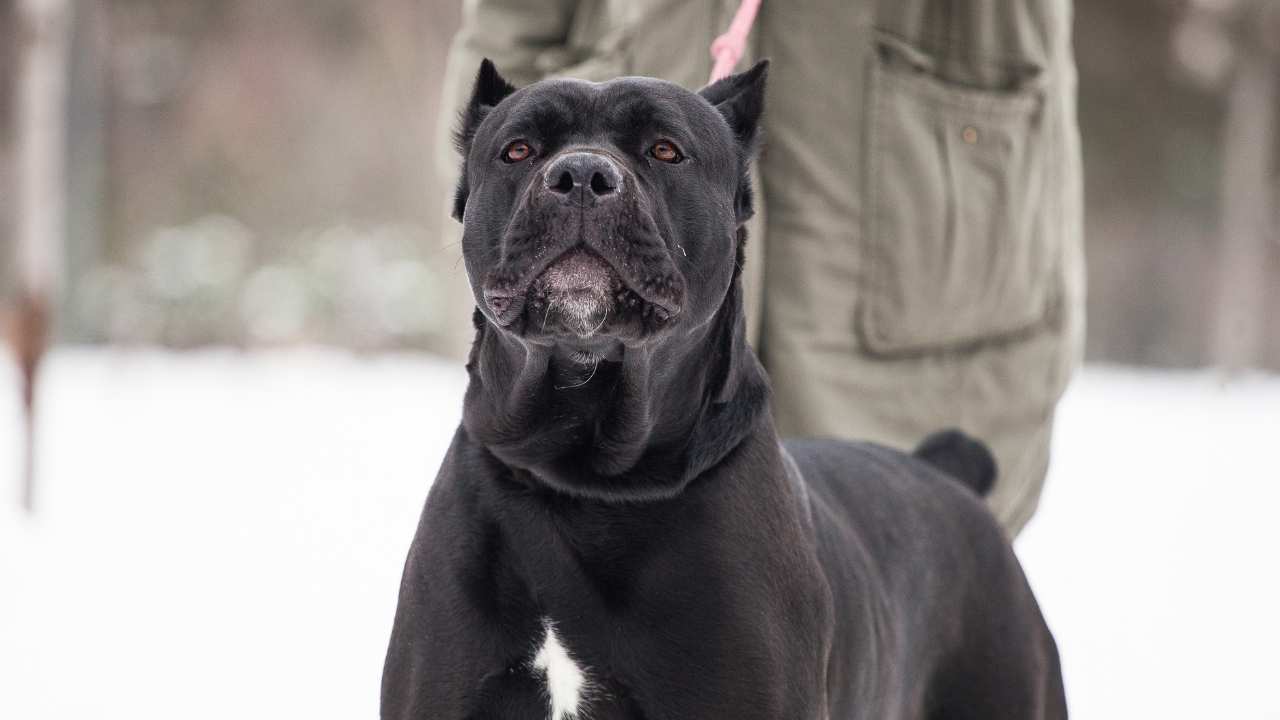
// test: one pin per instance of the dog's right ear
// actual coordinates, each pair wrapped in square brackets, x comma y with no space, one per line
[740,99]
[489,90]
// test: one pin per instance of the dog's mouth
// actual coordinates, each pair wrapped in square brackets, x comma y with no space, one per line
[579,289]
[581,296]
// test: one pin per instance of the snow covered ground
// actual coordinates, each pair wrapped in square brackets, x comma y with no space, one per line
[220,535]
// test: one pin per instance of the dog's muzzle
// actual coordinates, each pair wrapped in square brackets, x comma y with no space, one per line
[583,256]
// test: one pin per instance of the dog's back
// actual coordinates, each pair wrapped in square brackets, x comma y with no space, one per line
[929,590]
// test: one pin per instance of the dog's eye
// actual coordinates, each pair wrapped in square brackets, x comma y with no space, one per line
[517,151]
[666,151]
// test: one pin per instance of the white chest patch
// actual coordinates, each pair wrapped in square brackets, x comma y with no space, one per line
[568,685]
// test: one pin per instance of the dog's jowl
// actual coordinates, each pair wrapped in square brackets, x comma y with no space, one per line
[616,531]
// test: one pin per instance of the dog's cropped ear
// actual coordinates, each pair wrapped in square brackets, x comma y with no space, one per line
[740,99]
[489,90]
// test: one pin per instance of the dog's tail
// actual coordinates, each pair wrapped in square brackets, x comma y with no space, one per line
[962,457]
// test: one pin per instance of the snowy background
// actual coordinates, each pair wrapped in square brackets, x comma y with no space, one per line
[220,535]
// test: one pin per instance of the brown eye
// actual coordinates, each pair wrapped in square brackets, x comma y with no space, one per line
[517,151]
[666,151]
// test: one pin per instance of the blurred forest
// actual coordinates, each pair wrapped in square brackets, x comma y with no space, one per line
[254,172]
[264,173]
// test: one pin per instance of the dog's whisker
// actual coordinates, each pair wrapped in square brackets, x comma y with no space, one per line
[594,366]
[603,320]
[550,303]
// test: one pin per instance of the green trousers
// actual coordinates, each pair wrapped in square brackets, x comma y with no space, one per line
[917,260]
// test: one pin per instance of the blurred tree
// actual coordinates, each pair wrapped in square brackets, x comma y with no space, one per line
[1154,79]
[44,44]
[1249,228]
[86,155]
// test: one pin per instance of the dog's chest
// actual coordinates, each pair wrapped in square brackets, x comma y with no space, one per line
[556,679]
[567,683]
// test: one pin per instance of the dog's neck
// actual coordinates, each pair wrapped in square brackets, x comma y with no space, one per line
[641,428]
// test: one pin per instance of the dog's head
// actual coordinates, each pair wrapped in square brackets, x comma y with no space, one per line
[601,216]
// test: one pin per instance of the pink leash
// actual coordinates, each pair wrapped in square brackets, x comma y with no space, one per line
[728,49]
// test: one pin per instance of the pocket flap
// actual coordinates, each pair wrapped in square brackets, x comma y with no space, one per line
[956,251]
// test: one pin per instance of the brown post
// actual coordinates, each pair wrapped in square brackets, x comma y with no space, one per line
[30,336]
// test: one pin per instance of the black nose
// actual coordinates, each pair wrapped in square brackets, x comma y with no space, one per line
[584,178]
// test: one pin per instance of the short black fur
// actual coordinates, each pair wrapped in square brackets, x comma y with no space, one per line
[617,475]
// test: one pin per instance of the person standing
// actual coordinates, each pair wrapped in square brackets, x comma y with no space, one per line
[917,260]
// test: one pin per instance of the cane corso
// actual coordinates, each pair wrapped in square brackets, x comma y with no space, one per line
[616,531]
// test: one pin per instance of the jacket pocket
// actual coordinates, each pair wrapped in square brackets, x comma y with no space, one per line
[956,248]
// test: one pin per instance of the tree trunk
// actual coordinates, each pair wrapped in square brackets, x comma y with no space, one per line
[41,133]
[1247,217]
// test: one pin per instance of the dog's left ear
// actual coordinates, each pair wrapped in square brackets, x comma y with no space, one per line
[489,90]
[740,99]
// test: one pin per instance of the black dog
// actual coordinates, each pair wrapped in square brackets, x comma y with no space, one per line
[616,531]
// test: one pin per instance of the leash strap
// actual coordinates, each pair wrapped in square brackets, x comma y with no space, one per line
[728,49]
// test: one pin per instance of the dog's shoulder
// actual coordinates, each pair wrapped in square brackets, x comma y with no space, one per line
[901,512]
[868,484]
[963,461]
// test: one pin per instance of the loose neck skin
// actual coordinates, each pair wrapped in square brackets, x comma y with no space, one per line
[641,428]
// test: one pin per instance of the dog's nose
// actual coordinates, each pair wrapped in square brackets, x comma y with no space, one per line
[583,178]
